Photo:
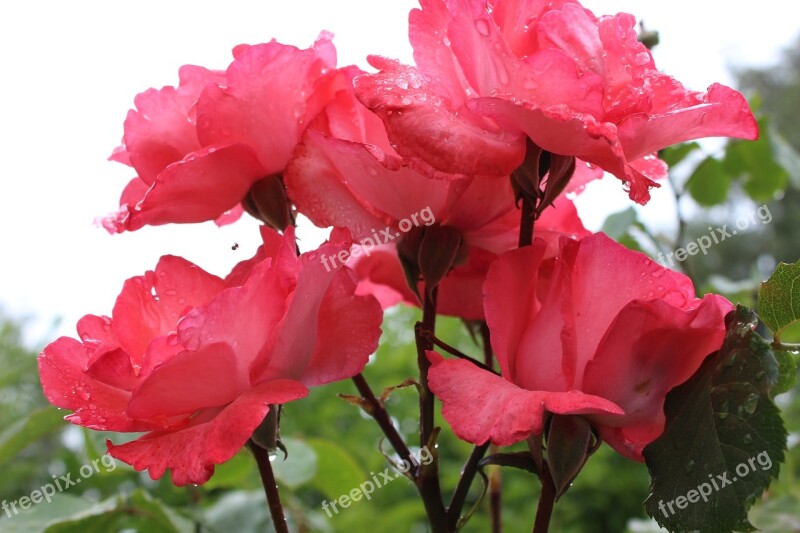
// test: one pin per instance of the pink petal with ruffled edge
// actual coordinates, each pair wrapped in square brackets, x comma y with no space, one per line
[268,99]
[203,186]
[161,129]
[482,406]
[420,122]
[150,306]
[97,405]
[212,438]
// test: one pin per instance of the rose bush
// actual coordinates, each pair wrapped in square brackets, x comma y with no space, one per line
[195,360]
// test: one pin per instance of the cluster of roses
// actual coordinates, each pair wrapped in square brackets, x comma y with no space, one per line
[579,324]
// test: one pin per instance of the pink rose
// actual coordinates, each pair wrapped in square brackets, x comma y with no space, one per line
[345,173]
[491,73]
[571,340]
[460,293]
[198,149]
[195,360]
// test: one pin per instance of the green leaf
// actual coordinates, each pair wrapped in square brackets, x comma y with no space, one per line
[71,514]
[139,511]
[39,517]
[755,162]
[300,465]
[240,472]
[239,511]
[675,154]
[709,183]
[23,432]
[779,298]
[787,371]
[617,224]
[723,437]
[337,472]
[786,156]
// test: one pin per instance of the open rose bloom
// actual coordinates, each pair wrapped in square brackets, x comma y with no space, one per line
[200,147]
[599,331]
[489,74]
[353,178]
[195,361]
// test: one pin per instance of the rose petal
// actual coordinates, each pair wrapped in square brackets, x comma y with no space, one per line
[192,452]
[481,406]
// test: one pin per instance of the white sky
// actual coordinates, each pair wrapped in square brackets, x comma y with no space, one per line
[71,71]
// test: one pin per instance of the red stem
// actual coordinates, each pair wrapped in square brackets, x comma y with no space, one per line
[270,487]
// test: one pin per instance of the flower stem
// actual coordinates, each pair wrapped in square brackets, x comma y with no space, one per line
[270,487]
[381,416]
[495,474]
[462,489]
[547,499]
[427,477]
[527,219]
[471,466]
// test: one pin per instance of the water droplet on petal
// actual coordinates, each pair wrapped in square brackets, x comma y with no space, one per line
[642,58]
[482,26]
[750,404]
[192,344]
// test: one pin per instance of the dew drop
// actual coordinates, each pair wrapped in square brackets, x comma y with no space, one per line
[750,404]
[482,26]
[192,344]
[723,413]
[747,439]
[642,58]
[689,467]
